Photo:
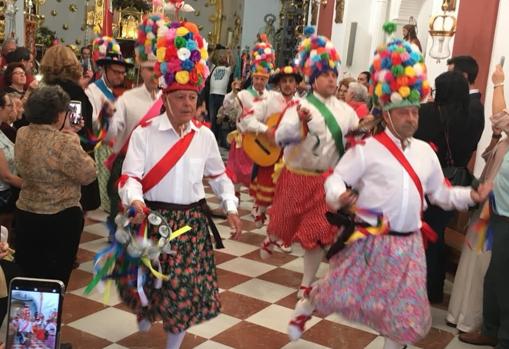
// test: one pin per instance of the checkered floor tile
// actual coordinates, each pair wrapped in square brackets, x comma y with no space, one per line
[257,298]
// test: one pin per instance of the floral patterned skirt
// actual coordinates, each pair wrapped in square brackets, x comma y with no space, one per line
[191,294]
[379,281]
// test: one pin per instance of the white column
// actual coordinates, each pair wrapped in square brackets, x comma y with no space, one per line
[20,22]
[379,16]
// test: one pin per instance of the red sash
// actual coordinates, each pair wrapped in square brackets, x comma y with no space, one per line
[383,138]
[154,111]
[167,162]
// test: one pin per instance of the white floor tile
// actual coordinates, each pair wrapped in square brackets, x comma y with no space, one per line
[264,290]
[342,321]
[224,231]
[212,345]
[97,215]
[303,344]
[215,326]
[277,317]
[246,267]
[438,317]
[87,266]
[98,296]
[96,245]
[297,265]
[98,229]
[238,248]
[112,324]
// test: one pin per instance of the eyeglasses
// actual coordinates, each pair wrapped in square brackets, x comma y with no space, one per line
[19,73]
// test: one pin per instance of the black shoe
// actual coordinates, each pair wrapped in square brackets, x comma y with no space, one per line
[66,346]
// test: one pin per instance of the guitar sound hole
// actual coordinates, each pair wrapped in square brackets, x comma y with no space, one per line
[262,147]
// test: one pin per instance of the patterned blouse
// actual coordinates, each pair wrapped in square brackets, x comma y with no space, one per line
[53,166]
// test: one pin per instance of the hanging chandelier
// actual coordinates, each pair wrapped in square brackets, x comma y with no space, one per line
[442,28]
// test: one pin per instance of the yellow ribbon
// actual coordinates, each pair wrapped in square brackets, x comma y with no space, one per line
[278,168]
[154,272]
[235,136]
[179,232]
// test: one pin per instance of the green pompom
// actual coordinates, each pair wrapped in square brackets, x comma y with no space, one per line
[390,27]
[398,70]
[415,96]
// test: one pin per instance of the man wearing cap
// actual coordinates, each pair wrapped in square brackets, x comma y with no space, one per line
[262,185]
[312,134]
[262,64]
[377,273]
[166,162]
[135,106]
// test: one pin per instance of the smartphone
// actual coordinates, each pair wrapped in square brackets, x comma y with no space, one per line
[34,313]
[75,112]
[502,61]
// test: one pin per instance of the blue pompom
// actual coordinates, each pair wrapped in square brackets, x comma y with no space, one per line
[387,63]
[309,30]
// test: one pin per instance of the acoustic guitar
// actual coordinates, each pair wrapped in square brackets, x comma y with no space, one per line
[259,148]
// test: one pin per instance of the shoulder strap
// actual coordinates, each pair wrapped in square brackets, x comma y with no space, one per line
[330,121]
[398,154]
[167,162]
[253,92]
[105,90]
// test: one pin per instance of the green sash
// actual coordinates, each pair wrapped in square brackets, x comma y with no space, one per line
[253,92]
[330,121]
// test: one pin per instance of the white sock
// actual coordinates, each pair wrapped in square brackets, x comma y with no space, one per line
[390,344]
[175,340]
[312,260]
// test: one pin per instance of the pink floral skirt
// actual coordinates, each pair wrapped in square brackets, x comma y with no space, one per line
[380,282]
[239,165]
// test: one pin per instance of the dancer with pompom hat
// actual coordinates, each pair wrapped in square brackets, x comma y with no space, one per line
[166,161]
[312,134]
[377,274]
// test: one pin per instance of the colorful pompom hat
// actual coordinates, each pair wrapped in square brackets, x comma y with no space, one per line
[288,70]
[316,55]
[106,50]
[398,74]
[181,57]
[262,58]
[146,42]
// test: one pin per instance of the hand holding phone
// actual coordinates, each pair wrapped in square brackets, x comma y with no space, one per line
[75,113]
[34,313]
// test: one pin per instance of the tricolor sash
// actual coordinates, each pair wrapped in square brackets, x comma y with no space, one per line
[330,121]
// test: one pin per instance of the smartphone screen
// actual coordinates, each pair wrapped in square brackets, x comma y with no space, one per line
[34,314]
[75,112]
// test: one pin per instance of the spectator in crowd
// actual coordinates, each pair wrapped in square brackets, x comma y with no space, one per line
[410,35]
[357,97]
[61,67]
[10,183]
[217,86]
[364,78]
[468,66]
[8,46]
[445,124]
[495,318]
[15,79]
[343,88]
[466,307]
[54,166]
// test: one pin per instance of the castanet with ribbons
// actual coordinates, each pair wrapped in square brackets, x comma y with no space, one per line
[134,253]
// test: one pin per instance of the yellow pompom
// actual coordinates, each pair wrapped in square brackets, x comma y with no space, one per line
[410,72]
[204,54]
[161,53]
[182,77]
[288,70]
[181,31]
[378,90]
[425,84]
[404,91]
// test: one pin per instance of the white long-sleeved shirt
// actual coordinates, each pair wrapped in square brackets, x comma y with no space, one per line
[256,121]
[317,151]
[184,183]
[130,108]
[385,186]
[248,99]
[96,98]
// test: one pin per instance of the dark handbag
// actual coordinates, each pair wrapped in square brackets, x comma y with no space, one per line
[457,175]
[5,198]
